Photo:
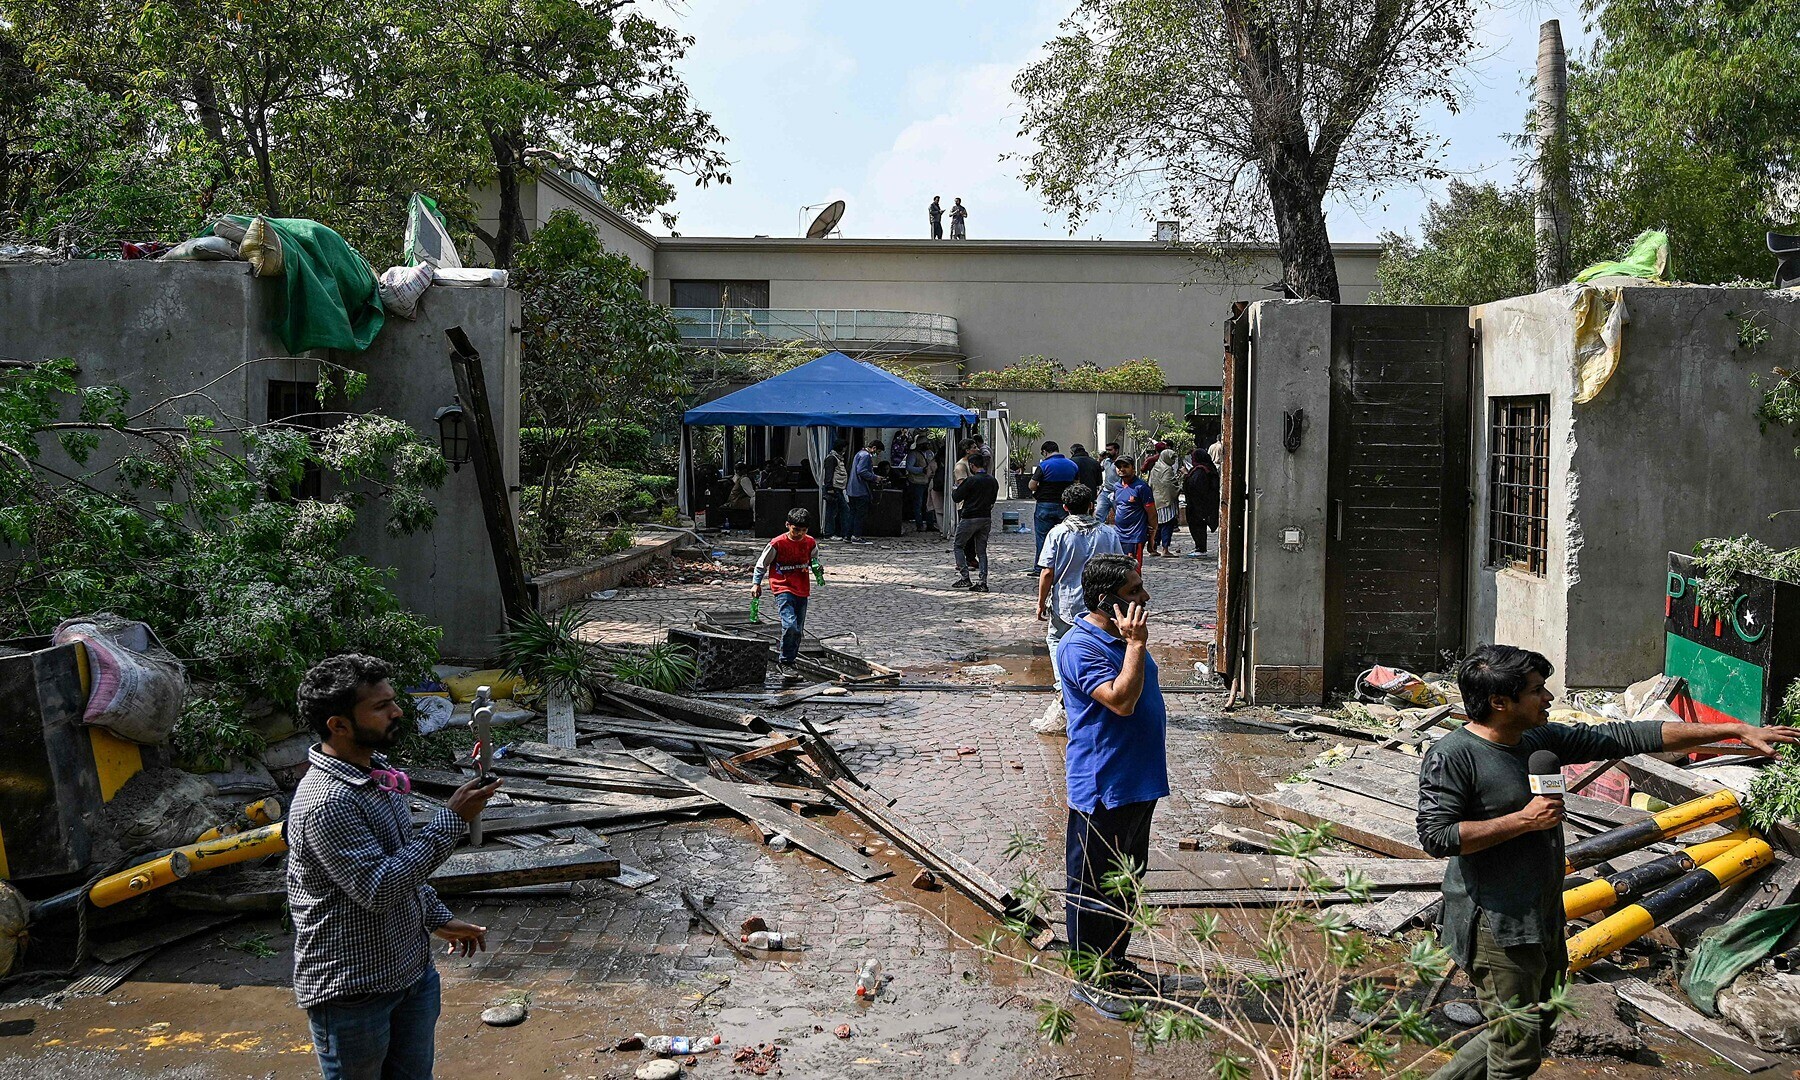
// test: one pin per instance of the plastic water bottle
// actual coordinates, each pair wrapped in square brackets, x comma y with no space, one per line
[680,1045]
[756,609]
[818,572]
[766,939]
[868,979]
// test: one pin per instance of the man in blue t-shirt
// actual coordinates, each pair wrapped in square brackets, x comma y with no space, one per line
[1049,480]
[1117,768]
[1134,510]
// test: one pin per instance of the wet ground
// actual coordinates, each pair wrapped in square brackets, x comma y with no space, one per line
[966,770]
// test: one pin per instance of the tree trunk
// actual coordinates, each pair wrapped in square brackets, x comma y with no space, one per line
[509,167]
[1308,267]
[1551,168]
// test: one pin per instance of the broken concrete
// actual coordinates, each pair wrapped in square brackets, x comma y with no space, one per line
[1766,1004]
[1597,1028]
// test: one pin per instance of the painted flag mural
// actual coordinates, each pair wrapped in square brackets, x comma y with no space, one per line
[1736,666]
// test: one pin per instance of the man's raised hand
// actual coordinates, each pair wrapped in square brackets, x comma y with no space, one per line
[1133,623]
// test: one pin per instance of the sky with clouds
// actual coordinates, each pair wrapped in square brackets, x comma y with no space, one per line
[884,104]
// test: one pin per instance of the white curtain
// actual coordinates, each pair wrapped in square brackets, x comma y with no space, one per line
[818,444]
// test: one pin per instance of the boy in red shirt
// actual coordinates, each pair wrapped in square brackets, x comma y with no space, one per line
[786,561]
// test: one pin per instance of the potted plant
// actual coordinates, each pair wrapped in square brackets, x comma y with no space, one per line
[1023,438]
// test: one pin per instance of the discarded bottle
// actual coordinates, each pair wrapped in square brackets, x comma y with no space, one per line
[680,1045]
[756,609]
[868,979]
[766,939]
[818,572]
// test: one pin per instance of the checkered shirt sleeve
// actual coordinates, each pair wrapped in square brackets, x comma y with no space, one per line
[357,888]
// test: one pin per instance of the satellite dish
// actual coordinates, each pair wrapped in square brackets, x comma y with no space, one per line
[827,221]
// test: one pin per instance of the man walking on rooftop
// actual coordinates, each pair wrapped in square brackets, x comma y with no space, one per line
[959,215]
[936,213]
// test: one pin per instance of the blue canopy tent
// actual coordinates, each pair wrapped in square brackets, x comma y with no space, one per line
[821,396]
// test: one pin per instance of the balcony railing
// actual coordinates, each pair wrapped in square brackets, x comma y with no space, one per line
[866,329]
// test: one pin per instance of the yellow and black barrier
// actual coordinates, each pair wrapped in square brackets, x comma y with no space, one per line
[236,848]
[261,812]
[1676,820]
[1630,923]
[140,879]
[1610,891]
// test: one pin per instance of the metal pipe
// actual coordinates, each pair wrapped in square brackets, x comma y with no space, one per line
[241,847]
[1607,892]
[1676,820]
[1625,926]
[140,879]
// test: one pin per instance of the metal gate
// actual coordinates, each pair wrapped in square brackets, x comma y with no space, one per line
[1399,489]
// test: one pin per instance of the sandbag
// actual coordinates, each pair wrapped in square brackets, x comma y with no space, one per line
[14,916]
[498,682]
[202,249]
[400,288]
[261,247]
[428,242]
[475,277]
[138,687]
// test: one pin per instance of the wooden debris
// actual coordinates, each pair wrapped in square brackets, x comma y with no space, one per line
[481,871]
[821,842]
[657,705]
[1251,838]
[1398,912]
[699,911]
[1673,1014]
[1356,819]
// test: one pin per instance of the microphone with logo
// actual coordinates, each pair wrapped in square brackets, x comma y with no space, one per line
[1546,774]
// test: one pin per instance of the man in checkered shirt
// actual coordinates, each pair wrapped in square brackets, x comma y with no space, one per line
[356,871]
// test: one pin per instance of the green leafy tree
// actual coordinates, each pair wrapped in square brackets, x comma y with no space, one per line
[596,351]
[1475,247]
[339,109]
[194,528]
[1682,119]
[1242,115]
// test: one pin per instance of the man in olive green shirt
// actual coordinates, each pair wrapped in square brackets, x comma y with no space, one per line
[1503,912]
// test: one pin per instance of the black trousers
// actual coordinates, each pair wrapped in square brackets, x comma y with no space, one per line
[1098,844]
[1197,530]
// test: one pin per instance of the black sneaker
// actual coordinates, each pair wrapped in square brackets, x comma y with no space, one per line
[962,583]
[1108,1005]
[979,588]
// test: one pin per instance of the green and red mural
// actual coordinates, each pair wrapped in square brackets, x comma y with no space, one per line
[1736,666]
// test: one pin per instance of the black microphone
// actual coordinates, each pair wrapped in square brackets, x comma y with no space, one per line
[1546,773]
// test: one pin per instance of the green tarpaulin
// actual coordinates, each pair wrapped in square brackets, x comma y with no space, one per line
[1726,951]
[328,298]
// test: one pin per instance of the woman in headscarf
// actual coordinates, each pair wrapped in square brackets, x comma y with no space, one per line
[1165,485]
[1201,487]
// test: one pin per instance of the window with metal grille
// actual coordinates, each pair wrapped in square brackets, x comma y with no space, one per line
[296,404]
[1519,484]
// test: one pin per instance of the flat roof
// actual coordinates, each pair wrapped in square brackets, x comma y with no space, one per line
[1084,247]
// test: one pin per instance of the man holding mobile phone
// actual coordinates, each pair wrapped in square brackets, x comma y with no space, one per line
[356,876]
[1117,768]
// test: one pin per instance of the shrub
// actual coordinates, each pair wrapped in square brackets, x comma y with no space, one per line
[1143,376]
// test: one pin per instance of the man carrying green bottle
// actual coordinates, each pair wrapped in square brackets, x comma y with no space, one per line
[785,563]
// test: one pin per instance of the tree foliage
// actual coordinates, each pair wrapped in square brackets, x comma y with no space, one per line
[1680,119]
[339,109]
[1143,376]
[1242,116]
[195,529]
[1475,247]
[596,353]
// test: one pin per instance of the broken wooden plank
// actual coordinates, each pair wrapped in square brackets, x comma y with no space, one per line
[1232,870]
[1414,728]
[1680,1017]
[821,842]
[1353,824]
[1251,838]
[634,877]
[700,913]
[780,746]
[479,871]
[1397,912]
[528,821]
[692,711]
[873,809]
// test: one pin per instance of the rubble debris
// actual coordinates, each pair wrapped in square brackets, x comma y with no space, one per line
[660,1069]
[926,881]
[761,1059]
[1595,1027]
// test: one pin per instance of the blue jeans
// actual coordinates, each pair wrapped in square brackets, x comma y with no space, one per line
[859,513]
[1165,534]
[1103,504]
[793,625]
[915,505]
[836,513]
[378,1036]
[1047,517]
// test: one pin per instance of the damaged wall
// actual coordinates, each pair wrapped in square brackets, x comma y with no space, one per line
[1667,453]
[160,329]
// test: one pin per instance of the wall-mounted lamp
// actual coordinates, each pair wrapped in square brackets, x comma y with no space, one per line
[1293,426]
[453,434]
